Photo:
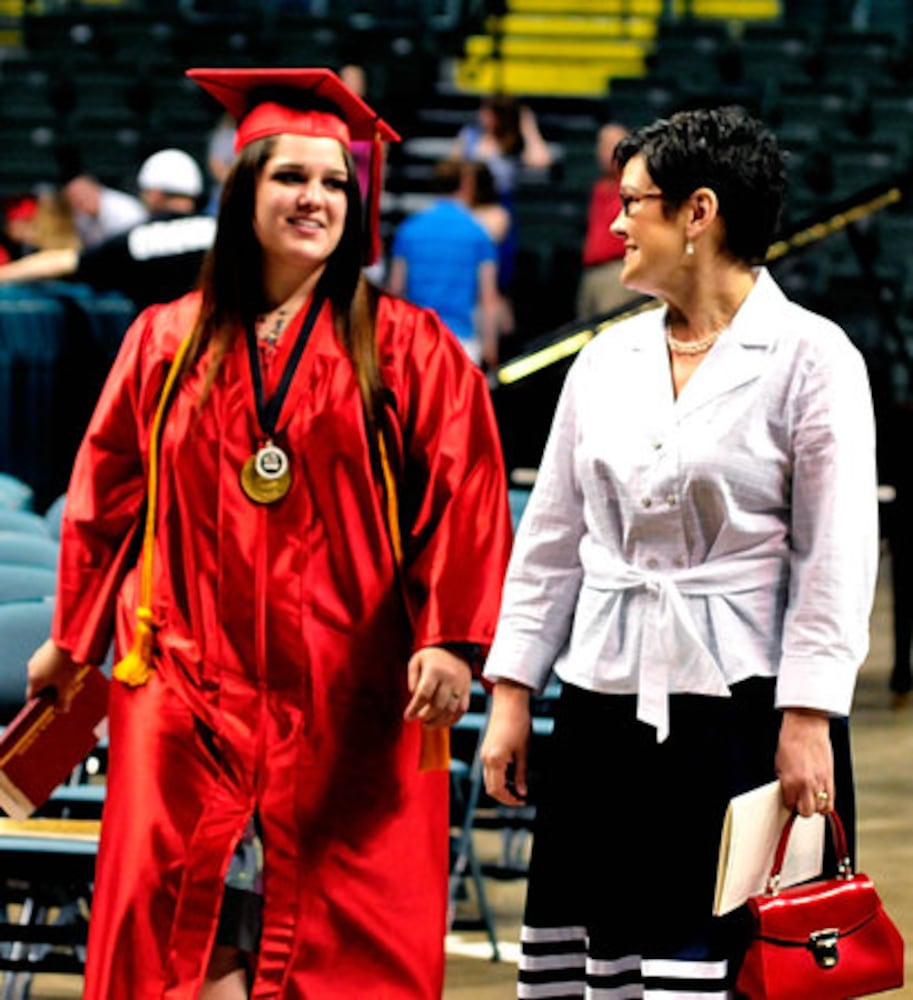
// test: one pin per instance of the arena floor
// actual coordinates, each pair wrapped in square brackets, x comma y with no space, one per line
[883,750]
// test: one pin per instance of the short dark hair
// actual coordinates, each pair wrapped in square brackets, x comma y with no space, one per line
[724,149]
[447,177]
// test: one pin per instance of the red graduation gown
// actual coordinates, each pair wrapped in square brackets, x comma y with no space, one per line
[280,660]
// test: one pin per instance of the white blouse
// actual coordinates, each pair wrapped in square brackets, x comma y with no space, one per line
[682,545]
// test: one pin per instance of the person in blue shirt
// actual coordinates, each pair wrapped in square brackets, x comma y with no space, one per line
[444,260]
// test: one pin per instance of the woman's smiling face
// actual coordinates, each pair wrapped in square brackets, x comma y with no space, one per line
[654,239]
[301,202]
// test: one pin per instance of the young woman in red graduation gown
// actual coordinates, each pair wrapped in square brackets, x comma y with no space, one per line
[297,656]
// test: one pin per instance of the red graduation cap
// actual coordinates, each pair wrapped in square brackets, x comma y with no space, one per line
[235,90]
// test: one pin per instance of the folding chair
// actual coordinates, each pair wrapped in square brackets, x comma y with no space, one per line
[465,788]
[49,869]
[47,861]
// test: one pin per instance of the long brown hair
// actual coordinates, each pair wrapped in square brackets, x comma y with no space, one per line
[231,299]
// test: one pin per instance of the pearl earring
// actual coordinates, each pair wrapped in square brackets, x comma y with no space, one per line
[689,249]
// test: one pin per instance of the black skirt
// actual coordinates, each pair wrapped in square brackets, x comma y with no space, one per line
[626,841]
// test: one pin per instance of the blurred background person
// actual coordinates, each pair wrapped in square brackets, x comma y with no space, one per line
[506,138]
[498,222]
[18,236]
[354,77]
[153,261]
[487,209]
[220,155]
[443,258]
[33,222]
[100,211]
[601,289]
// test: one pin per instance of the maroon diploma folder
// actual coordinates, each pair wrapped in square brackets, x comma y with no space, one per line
[41,746]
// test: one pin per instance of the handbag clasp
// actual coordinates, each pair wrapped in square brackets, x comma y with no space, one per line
[823,945]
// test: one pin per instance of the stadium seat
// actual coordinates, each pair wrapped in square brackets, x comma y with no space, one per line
[53,515]
[15,494]
[26,583]
[517,498]
[24,625]
[19,548]
[23,522]
[32,336]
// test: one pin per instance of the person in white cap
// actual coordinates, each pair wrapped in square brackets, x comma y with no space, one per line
[154,261]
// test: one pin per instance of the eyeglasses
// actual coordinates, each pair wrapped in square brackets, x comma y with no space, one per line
[628,201]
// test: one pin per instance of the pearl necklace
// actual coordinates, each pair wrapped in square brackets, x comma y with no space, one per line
[692,346]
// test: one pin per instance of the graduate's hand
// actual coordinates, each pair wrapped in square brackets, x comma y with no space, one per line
[805,761]
[439,683]
[52,667]
[505,748]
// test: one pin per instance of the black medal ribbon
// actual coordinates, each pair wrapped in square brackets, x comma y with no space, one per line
[266,476]
[268,411]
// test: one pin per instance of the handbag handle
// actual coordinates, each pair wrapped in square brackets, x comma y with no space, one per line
[838,834]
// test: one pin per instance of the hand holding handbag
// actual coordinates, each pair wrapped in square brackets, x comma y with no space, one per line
[828,940]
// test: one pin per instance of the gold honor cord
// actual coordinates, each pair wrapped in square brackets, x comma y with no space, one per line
[529,364]
[435,750]
[135,668]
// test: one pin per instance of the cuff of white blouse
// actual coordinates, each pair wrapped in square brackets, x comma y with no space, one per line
[524,661]
[823,684]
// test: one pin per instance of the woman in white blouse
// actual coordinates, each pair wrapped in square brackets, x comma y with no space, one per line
[697,561]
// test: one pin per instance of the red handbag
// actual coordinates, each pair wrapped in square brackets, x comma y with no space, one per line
[824,940]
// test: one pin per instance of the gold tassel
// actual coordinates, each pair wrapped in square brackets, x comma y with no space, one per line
[135,668]
[435,752]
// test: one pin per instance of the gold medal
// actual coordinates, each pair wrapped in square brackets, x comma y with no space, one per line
[266,476]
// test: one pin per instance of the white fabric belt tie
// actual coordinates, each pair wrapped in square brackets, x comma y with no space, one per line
[671,640]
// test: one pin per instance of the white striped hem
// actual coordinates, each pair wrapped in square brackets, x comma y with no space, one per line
[537,963]
[673,968]
[554,963]
[543,935]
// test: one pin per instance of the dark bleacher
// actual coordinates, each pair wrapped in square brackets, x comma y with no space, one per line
[85,69]
[57,342]
[106,85]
